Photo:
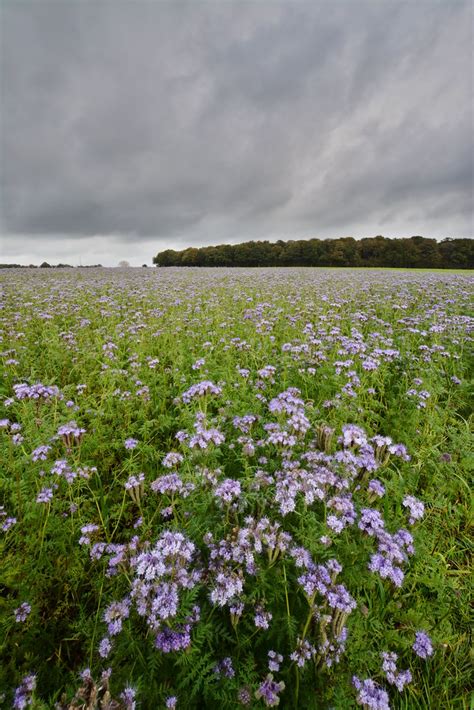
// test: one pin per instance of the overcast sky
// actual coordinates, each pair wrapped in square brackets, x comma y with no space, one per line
[132,127]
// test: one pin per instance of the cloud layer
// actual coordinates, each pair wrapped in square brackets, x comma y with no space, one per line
[129,127]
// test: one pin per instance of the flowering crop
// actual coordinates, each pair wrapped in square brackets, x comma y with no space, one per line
[231,489]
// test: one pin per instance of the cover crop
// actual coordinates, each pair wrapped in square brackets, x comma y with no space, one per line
[229,488]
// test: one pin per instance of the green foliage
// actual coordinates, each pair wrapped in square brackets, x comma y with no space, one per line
[413,252]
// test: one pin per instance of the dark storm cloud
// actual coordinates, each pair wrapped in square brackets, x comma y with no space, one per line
[208,122]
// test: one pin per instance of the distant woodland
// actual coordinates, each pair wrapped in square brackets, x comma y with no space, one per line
[413,252]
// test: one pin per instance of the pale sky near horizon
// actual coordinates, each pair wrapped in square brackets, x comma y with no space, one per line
[129,127]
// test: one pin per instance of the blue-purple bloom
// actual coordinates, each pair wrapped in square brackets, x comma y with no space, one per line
[423,646]
[40,453]
[268,691]
[370,694]
[416,507]
[45,495]
[274,661]
[24,692]
[225,668]
[128,698]
[22,612]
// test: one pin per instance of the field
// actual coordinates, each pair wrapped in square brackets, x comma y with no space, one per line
[233,488]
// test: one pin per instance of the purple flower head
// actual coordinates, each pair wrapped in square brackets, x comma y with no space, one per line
[7,524]
[45,495]
[394,677]
[115,613]
[171,701]
[228,490]
[37,391]
[41,453]
[225,668]
[274,661]
[23,694]
[171,483]
[371,521]
[173,458]
[70,433]
[376,487]
[130,443]
[423,646]
[169,641]
[86,530]
[262,618]
[399,450]
[352,435]
[128,698]
[134,481]
[371,695]
[22,612]
[199,390]
[105,647]
[268,691]
[303,652]
[417,508]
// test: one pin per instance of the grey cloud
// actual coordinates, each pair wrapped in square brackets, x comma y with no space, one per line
[181,123]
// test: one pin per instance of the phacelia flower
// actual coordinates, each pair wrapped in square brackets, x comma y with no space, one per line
[423,646]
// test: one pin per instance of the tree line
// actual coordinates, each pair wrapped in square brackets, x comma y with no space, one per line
[412,252]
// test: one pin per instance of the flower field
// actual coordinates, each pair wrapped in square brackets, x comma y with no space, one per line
[235,489]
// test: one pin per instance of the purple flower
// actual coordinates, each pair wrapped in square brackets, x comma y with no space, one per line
[37,391]
[128,697]
[394,677]
[262,618]
[171,701]
[371,521]
[70,433]
[169,641]
[24,692]
[199,390]
[228,490]
[384,567]
[371,695]
[173,458]
[423,646]
[303,652]
[105,647]
[134,481]
[8,523]
[376,487]
[45,495]
[417,508]
[22,612]
[115,613]
[225,668]
[130,443]
[268,691]
[41,453]
[274,661]
[86,530]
